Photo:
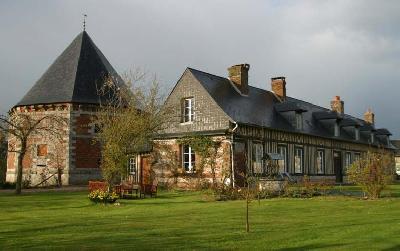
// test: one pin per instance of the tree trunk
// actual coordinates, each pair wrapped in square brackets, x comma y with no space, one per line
[247,208]
[21,155]
[59,177]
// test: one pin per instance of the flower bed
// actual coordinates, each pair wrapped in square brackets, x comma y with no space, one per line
[100,196]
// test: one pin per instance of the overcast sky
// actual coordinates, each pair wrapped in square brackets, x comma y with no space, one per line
[324,48]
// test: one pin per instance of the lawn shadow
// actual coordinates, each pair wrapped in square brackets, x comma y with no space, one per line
[394,248]
[313,246]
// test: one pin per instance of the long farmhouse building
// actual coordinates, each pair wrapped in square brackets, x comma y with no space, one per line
[250,123]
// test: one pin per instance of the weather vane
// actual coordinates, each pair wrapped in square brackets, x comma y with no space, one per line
[84,22]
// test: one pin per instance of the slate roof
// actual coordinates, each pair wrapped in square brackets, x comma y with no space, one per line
[396,143]
[74,76]
[261,108]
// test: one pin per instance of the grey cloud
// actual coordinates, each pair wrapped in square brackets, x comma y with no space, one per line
[324,48]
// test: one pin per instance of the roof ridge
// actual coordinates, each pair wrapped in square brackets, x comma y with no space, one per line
[79,61]
[270,92]
[190,68]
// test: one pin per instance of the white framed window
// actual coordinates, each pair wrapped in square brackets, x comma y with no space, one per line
[298,160]
[187,110]
[357,156]
[282,150]
[337,129]
[347,159]
[132,170]
[397,160]
[320,161]
[189,159]
[257,155]
[299,121]
[357,133]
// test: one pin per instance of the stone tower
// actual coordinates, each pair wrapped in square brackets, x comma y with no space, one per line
[69,88]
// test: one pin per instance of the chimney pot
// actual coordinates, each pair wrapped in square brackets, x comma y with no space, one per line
[239,75]
[278,86]
[369,117]
[337,105]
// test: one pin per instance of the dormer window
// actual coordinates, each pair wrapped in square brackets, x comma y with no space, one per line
[299,121]
[187,110]
[357,133]
[337,129]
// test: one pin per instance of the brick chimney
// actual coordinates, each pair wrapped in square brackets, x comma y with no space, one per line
[337,105]
[369,116]
[278,86]
[239,75]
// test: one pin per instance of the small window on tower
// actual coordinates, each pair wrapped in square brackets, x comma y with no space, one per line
[42,150]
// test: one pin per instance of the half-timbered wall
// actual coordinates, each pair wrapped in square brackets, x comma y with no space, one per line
[310,144]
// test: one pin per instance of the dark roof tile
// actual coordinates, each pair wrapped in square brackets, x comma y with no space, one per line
[74,77]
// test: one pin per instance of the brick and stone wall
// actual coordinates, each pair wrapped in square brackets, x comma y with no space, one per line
[208,115]
[77,154]
[85,150]
[168,164]
[46,153]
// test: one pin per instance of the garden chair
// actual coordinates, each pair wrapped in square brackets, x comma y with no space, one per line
[149,189]
[128,187]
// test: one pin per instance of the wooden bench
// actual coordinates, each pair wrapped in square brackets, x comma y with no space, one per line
[127,188]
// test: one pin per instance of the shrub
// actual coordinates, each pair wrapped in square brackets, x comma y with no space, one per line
[307,188]
[100,196]
[373,173]
[223,192]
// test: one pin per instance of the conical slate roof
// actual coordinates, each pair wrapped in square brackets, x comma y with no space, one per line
[74,77]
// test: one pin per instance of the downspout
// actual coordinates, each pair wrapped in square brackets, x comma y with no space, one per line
[231,148]
[232,167]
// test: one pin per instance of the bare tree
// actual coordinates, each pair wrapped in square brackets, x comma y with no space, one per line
[22,127]
[3,157]
[132,115]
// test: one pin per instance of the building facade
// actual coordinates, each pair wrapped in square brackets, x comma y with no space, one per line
[248,123]
[69,90]
[396,143]
[252,123]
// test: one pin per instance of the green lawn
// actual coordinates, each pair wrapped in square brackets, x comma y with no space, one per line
[188,220]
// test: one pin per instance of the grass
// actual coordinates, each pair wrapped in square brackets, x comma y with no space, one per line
[188,220]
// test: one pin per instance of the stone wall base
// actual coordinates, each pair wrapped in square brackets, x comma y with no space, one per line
[34,177]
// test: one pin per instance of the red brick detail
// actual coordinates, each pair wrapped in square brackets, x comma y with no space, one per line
[42,150]
[27,160]
[11,161]
[87,153]
[83,124]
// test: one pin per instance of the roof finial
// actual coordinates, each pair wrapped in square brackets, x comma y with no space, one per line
[84,22]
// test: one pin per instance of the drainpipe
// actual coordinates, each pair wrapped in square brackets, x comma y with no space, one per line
[231,147]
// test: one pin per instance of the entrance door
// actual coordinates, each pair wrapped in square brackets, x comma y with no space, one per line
[145,170]
[337,165]
[240,163]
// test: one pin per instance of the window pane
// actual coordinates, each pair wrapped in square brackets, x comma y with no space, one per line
[298,161]
[320,161]
[282,162]
[257,158]
[189,158]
